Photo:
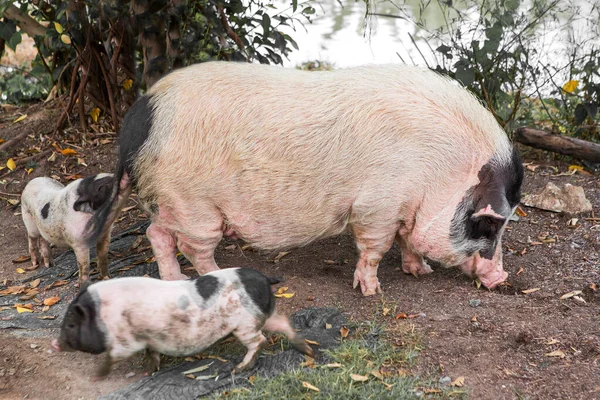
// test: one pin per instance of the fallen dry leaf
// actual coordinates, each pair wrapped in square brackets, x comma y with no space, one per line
[131,208]
[73,177]
[570,294]
[21,118]
[23,309]
[58,283]
[281,293]
[309,386]
[280,256]
[458,382]
[520,271]
[11,164]
[359,378]
[47,317]
[68,152]
[328,326]
[332,365]
[312,342]
[474,318]
[13,290]
[551,341]
[284,295]
[344,331]
[330,262]
[31,268]
[593,286]
[411,316]
[401,315]
[376,374]
[50,301]
[20,271]
[385,311]
[520,212]
[310,362]
[21,259]
[527,291]
[432,390]
[95,113]
[556,353]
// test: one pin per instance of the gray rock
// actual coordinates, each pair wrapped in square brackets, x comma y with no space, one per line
[570,199]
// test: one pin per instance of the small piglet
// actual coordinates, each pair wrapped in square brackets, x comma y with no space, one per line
[177,318]
[57,214]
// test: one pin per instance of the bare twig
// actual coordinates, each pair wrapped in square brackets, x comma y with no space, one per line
[230,31]
[11,142]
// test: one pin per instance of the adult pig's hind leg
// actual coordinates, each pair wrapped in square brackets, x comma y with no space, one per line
[412,263]
[164,248]
[197,240]
[372,241]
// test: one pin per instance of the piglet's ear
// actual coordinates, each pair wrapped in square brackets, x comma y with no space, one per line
[83,206]
[80,311]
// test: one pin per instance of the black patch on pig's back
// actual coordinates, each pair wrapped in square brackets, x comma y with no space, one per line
[206,285]
[134,132]
[45,210]
[258,288]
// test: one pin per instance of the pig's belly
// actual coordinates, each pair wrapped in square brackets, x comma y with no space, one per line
[192,342]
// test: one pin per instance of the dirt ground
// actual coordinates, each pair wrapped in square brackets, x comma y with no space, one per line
[505,343]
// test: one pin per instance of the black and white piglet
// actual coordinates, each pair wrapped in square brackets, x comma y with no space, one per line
[177,318]
[57,214]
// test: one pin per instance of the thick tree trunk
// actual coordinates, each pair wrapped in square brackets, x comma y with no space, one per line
[578,148]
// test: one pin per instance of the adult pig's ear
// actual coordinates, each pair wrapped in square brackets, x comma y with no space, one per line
[489,216]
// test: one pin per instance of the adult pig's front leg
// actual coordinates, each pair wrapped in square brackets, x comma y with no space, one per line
[372,241]
[412,263]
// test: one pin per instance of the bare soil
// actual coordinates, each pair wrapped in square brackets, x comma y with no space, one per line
[505,343]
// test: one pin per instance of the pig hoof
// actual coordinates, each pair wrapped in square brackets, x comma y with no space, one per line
[416,268]
[369,286]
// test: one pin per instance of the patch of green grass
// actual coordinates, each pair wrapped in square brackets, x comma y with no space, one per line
[370,364]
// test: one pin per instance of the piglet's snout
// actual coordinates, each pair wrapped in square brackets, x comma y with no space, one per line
[55,345]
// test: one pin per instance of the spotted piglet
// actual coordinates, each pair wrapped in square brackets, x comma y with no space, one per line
[57,214]
[177,318]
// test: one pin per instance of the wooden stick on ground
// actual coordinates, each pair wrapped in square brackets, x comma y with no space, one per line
[545,140]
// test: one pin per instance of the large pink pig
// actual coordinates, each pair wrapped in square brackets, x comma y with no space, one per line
[281,157]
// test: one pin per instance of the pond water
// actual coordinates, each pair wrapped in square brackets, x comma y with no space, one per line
[339,34]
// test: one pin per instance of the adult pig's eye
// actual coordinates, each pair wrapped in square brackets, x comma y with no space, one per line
[71,326]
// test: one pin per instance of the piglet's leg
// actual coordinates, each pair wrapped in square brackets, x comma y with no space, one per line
[102,250]
[412,263]
[34,250]
[46,253]
[373,241]
[277,323]
[254,341]
[164,248]
[104,368]
[83,261]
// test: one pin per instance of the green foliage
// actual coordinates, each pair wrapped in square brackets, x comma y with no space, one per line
[18,86]
[493,49]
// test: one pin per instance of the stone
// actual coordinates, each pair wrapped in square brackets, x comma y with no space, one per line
[570,199]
